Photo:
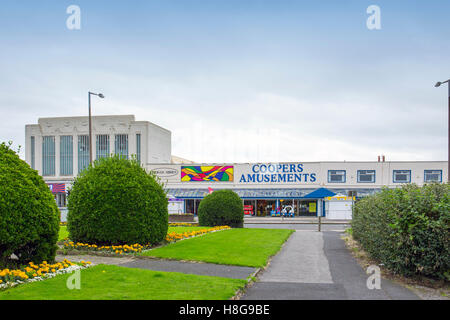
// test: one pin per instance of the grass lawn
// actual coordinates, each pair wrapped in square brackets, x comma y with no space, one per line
[63,233]
[107,282]
[241,247]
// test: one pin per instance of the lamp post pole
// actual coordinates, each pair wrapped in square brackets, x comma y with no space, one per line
[90,123]
[90,130]
[448,127]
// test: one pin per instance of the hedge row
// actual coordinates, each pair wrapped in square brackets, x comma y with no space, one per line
[407,229]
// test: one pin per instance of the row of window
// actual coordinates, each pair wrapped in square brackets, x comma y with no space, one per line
[368,176]
[66,151]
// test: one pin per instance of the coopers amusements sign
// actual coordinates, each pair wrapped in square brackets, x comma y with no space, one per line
[277,173]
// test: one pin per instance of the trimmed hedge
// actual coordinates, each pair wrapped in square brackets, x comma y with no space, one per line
[220,208]
[407,229]
[117,202]
[29,217]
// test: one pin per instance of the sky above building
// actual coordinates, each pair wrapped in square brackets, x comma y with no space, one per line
[238,81]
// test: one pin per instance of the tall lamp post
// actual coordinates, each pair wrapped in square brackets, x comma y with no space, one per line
[448,148]
[90,123]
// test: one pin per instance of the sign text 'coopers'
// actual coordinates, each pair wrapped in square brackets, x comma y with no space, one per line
[277,173]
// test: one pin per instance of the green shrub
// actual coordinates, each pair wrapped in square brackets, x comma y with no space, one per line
[222,207]
[407,229]
[117,202]
[29,217]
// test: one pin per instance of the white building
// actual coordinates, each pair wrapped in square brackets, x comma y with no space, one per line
[59,149]
[302,186]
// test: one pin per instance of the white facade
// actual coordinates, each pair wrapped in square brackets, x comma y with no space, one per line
[154,147]
[303,175]
[267,188]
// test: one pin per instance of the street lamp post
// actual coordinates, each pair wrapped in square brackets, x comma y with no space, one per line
[90,123]
[448,147]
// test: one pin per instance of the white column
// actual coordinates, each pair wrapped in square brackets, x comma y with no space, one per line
[111,143]
[38,153]
[131,144]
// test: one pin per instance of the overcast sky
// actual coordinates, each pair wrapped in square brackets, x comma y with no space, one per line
[238,81]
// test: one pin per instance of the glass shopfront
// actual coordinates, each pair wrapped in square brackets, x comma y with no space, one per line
[264,207]
[191,205]
[263,202]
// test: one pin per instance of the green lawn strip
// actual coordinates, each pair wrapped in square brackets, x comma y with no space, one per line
[241,247]
[109,282]
[63,233]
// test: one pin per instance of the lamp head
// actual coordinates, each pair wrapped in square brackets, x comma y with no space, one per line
[102,96]
[438,84]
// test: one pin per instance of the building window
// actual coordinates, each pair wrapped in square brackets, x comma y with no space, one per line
[402,176]
[48,156]
[83,153]
[66,155]
[336,176]
[432,176]
[121,145]
[138,147]
[366,176]
[33,153]
[102,146]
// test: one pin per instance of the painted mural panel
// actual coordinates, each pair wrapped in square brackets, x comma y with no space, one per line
[207,173]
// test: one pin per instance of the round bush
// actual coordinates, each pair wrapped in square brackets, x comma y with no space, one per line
[222,207]
[29,217]
[117,202]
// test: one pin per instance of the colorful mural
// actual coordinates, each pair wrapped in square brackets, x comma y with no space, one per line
[207,173]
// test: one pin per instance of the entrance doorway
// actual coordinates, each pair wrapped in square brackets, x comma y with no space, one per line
[264,207]
[307,208]
[192,205]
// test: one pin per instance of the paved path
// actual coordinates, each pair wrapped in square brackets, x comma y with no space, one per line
[95,259]
[318,266]
[293,226]
[302,260]
[206,269]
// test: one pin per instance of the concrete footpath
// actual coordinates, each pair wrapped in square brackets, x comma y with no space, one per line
[317,266]
[197,268]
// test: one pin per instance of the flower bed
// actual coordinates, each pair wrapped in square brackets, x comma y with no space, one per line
[33,272]
[137,248]
[183,224]
[173,236]
[120,249]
